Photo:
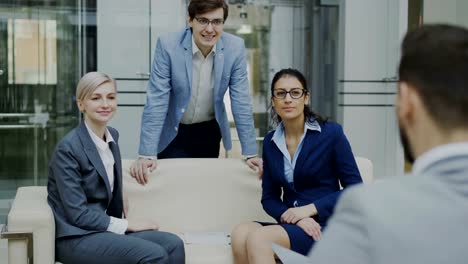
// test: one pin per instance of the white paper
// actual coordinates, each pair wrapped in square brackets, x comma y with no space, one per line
[211,238]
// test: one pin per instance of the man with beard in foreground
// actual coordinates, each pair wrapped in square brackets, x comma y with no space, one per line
[421,217]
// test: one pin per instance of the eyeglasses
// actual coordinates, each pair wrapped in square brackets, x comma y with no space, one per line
[295,93]
[205,21]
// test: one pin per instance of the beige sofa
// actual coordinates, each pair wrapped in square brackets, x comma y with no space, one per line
[198,199]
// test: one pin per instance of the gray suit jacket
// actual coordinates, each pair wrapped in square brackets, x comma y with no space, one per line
[78,188]
[409,219]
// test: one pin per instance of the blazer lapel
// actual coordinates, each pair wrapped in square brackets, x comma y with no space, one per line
[118,164]
[93,156]
[309,143]
[279,165]
[218,66]
[115,207]
[187,45]
[303,154]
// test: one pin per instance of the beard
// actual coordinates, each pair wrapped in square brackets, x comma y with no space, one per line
[409,156]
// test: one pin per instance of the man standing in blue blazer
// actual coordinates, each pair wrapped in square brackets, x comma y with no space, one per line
[184,115]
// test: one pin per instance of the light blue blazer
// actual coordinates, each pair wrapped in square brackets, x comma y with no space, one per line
[170,85]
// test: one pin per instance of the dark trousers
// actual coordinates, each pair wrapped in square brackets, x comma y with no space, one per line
[133,248]
[200,140]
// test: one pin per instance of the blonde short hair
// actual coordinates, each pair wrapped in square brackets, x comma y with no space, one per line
[90,82]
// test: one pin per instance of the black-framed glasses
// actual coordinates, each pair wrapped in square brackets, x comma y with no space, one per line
[203,21]
[295,93]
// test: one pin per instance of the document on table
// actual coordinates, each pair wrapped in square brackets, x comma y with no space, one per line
[219,238]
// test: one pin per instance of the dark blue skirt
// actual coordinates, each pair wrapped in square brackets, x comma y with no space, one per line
[300,241]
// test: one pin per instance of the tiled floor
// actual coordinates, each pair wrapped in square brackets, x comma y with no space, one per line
[3,250]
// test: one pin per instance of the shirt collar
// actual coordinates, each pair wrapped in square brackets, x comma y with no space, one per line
[101,144]
[439,153]
[309,125]
[195,48]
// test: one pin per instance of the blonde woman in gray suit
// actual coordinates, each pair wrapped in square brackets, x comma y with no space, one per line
[85,191]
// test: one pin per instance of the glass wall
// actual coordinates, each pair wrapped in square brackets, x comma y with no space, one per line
[40,62]
[45,46]
[301,34]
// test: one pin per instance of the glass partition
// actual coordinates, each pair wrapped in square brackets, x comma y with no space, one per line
[39,68]
[299,34]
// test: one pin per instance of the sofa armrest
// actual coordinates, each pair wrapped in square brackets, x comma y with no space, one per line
[30,214]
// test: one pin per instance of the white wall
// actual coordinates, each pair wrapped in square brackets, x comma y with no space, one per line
[370,35]
[127,33]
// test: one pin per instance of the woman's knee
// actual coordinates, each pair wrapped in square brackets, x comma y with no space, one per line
[240,233]
[257,238]
[174,243]
[156,255]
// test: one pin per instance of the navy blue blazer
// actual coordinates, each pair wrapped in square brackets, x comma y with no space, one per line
[325,160]
[78,188]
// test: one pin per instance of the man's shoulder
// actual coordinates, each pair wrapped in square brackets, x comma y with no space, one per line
[397,194]
[382,191]
[232,41]
[171,38]
[231,37]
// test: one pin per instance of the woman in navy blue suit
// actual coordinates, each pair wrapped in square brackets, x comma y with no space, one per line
[304,160]
[86,195]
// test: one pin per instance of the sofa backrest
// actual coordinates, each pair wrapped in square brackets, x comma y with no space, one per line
[189,195]
[366,168]
[183,195]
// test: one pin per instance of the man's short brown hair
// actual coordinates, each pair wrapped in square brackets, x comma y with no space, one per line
[197,7]
[435,61]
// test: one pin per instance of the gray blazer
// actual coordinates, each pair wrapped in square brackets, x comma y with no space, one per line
[409,219]
[78,188]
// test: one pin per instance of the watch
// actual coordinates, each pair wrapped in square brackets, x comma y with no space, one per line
[246,158]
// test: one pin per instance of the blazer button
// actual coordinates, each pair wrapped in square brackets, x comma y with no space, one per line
[176,128]
[182,110]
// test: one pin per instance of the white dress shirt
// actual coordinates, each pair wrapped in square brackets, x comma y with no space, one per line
[201,107]
[116,225]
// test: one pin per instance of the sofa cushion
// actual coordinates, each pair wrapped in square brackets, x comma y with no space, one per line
[189,195]
[197,195]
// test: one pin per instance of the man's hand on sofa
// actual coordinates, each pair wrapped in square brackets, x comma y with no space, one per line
[256,164]
[136,225]
[141,169]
